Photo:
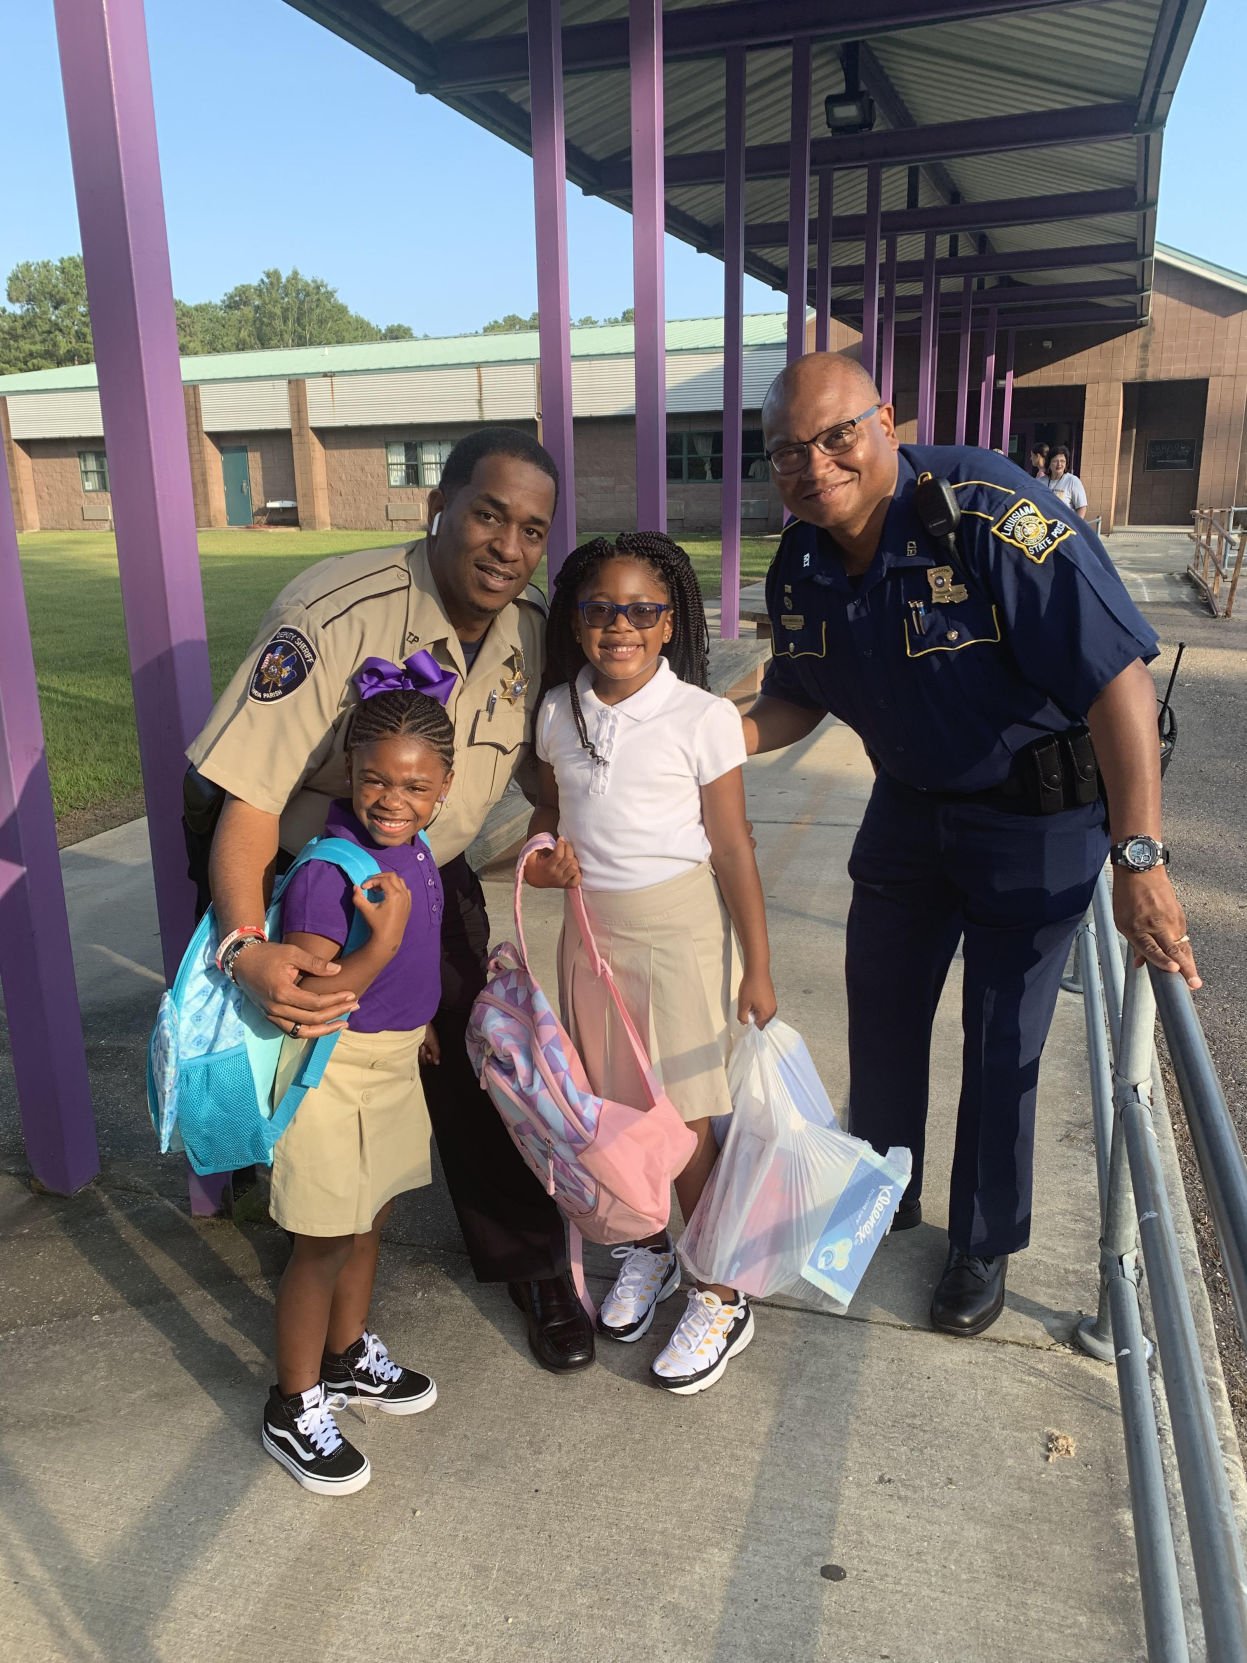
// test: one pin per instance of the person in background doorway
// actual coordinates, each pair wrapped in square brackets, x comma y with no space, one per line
[1039,462]
[1064,484]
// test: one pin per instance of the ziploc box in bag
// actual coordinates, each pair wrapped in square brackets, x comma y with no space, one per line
[858,1223]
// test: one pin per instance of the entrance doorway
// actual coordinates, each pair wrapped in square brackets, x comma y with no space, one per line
[1162,436]
[1046,416]
[236,472]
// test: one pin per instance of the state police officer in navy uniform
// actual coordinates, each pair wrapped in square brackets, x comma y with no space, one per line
[980,669]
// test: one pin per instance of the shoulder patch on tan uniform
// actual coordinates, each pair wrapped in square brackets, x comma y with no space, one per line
[1027,528]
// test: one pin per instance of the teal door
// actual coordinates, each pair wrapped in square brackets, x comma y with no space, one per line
[236,469]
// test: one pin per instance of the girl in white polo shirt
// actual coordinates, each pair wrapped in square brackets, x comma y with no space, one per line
[641,780]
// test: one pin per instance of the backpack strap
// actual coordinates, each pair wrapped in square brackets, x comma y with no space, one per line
[358,866]
[600,968]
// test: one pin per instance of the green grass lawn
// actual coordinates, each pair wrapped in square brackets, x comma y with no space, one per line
[74,600]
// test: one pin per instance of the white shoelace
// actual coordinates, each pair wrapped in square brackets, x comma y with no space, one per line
[642,1273]
[318,1425]
[377,1360]
[705,1317]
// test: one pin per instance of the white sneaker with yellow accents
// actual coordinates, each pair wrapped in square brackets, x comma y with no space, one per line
[707,1335]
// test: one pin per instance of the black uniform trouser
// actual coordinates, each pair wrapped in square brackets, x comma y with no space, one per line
[512,1228]
[1013,888]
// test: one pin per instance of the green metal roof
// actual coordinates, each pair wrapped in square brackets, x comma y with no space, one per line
[1202,268]
[368,357]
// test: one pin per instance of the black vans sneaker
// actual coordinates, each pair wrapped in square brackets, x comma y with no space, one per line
[369,1373]
[301,1433]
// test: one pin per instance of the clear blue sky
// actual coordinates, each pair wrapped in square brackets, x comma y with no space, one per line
[282,146]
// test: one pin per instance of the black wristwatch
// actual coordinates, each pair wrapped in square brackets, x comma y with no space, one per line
[1139,854]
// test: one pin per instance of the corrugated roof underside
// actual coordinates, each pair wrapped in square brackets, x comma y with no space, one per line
[1037,62]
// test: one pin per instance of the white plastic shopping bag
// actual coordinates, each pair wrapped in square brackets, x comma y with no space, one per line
[795,1205]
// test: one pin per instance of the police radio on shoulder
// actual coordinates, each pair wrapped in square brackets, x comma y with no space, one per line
[1139,854]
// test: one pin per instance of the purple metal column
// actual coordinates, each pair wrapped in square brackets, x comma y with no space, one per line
[36,962]
[1006,403]
[887,354]
[963,360]
[870,271]
[545,78]
[733,339]
[799,198]
[648,294]
[926,349]
[112,143]
[987,387]
[822,271]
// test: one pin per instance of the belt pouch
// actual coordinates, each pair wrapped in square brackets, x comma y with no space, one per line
[1045,787]
[1084,775]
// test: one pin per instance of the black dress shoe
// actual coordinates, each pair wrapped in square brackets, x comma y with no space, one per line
[908,1214]
[970,1294]
[560,1334]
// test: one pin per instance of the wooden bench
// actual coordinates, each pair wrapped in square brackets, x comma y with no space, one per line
[753,609]
[734,667]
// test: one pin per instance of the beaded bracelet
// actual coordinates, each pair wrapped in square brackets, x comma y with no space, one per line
[230,956]
[245,932]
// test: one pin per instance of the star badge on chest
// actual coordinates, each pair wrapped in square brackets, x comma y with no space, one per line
[515,678]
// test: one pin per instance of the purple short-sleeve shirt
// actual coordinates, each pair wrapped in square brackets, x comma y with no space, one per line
[319,901]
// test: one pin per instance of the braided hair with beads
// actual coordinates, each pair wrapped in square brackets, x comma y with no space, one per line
[407,714]
[688,651]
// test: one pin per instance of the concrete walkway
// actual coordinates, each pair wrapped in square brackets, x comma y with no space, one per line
[856,1488]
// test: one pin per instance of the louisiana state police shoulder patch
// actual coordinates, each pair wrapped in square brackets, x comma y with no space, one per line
[282,667]
[1030,530]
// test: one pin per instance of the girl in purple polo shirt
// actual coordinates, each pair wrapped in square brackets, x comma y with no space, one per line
[362,1136]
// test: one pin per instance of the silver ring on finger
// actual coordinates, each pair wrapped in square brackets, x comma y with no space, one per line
[1179,942]
[296,1028]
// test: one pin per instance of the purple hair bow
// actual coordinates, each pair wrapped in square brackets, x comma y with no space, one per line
[421,673]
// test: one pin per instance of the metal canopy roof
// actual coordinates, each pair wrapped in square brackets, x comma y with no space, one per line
[1032,127]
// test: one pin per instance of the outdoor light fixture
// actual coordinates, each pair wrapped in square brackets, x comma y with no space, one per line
[850,111]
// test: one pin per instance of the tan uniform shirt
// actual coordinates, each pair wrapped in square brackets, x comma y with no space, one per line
[275,738]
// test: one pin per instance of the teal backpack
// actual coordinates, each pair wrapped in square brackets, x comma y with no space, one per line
[213,1057]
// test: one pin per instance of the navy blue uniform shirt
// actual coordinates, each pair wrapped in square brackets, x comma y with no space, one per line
[1033,624]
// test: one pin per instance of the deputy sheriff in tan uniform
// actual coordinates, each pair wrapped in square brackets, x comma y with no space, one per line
[275,744]
[276,736]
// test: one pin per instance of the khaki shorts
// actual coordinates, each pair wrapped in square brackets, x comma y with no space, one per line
[359,1139]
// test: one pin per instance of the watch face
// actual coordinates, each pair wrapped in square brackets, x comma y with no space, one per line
[1140,852]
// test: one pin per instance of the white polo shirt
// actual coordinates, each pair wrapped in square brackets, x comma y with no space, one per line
[634,818]
[1070,490]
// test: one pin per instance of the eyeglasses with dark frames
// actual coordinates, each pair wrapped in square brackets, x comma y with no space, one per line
[832,441]
[640,614]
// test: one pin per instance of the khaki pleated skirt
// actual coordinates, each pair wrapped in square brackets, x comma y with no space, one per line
[671,951]
[359,1139]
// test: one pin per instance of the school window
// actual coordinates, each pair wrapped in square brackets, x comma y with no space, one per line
[753,462]
[417,461]
[93,466]
[693,457]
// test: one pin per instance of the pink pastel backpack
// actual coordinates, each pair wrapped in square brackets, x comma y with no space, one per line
[608,1165]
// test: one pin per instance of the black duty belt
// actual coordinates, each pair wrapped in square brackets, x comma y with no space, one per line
[1050,775]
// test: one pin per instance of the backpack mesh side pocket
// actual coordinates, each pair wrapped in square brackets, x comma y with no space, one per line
[217,1112]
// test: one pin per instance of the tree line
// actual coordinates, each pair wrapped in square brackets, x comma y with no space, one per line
[47,323]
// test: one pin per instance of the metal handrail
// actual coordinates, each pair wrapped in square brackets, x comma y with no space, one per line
[1136,1208]
[1216,1144]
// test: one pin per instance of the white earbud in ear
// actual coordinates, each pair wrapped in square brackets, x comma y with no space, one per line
[437,520]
